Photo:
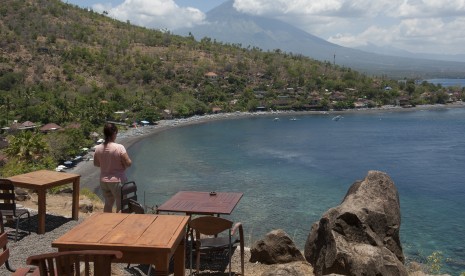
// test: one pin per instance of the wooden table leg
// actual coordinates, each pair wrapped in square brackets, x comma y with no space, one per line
[180,259]
[162,267]
[75,210]
[163,262]
[41,210]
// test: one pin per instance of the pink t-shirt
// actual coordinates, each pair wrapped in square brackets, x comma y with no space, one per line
[110,158]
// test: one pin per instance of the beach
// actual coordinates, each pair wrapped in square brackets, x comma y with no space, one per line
[90,174]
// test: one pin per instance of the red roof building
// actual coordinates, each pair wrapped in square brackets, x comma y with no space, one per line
[50,127]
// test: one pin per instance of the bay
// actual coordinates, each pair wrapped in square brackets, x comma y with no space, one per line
[292,171]
[448,82]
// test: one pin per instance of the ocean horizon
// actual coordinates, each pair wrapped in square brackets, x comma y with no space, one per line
[293,169]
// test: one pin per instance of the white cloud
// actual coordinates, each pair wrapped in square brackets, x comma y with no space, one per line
[420,35]
[414,25]
[431,8]
[432,35]
[317,7]
[157,14]
[358,8]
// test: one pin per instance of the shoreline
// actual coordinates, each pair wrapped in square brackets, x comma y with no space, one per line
[90,174]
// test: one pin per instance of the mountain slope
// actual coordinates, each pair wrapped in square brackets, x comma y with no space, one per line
[63,64]
[228,25]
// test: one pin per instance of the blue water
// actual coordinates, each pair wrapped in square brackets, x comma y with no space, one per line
[292,171]
[448,82]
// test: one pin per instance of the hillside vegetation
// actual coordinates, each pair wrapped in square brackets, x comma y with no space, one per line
[63,64]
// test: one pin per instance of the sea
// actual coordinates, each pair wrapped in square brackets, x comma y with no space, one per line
[292,169]
[448,82]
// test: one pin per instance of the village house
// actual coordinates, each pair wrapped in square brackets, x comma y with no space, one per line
[211,76]
[404,101]
[49,127]
[166,114]
[216,110]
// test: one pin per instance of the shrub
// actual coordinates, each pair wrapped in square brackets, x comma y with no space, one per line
[434,262]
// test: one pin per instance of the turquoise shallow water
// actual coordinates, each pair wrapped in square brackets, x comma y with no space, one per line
[292,171]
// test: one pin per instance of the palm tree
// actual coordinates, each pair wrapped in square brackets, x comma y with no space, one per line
[26,146]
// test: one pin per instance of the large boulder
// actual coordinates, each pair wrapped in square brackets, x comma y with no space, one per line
[276,248]
[361,235]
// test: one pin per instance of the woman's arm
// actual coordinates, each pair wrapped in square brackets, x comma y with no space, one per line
[96,161]
[126,160]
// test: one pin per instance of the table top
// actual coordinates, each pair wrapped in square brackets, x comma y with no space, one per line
[42,178]
[194,202]
[125,232]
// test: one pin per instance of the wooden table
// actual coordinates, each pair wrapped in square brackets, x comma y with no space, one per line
[143,238]
[42,180]
[202,203]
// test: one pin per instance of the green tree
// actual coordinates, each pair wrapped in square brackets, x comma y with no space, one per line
[27,151]
[410,87]
[341,105]
[149,113]
[324,104]
[66,144]
[9,80]
[27,146]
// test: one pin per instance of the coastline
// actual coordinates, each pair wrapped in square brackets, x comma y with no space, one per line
[90,174]
[22,249]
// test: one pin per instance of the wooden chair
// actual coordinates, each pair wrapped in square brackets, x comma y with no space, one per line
[135,207]
[8,205]
[5,252]
[68,263]
[128,192]
[214,226]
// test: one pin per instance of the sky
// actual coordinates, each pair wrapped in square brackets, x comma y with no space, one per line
[417,26]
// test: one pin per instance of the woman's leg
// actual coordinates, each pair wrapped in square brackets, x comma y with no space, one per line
[117,195]
[108,196]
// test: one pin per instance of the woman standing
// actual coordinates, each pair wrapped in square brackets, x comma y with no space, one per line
[113,160]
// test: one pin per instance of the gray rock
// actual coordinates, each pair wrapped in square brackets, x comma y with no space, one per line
[65,190]
[285,270]
[85,206]
[20,191]
[361,235]
[21,194]
[276,248]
